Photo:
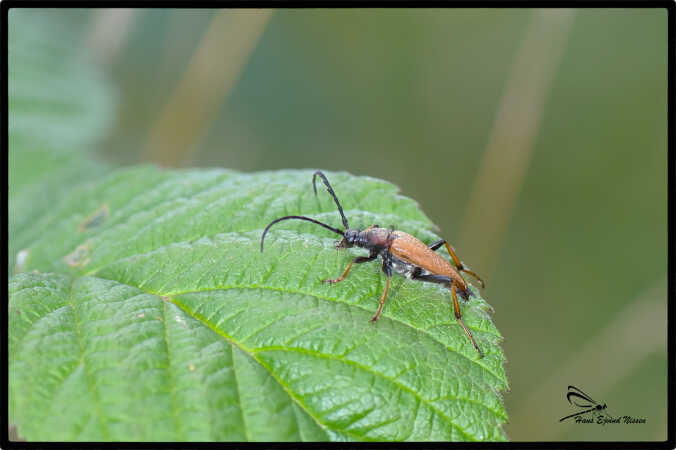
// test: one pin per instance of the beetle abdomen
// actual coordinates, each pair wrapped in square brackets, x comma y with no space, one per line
[406,268]
[406,247]
[412,251]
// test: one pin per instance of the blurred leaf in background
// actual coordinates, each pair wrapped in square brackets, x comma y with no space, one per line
[60,106]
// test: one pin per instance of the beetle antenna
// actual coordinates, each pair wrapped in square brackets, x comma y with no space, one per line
[333,194]
[335,230]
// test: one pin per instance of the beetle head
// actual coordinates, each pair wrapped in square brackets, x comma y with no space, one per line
[350,238]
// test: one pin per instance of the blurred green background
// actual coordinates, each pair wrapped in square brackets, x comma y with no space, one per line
[535,139]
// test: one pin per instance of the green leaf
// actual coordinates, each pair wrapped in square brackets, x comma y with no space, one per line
[153,315]
[59,106]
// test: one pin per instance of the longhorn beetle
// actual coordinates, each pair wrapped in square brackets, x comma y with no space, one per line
[400,252]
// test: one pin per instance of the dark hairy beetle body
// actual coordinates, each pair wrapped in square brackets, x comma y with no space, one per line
[401,253]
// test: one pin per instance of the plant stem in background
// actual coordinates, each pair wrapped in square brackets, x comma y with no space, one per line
[108,32]
[511,142]
[213,70]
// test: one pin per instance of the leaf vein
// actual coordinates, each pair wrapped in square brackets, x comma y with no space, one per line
[249,352]
[382,375]
[312,294]
[172,394]
[94,392]
[239,394]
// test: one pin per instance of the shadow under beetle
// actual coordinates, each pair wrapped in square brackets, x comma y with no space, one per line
[400,252]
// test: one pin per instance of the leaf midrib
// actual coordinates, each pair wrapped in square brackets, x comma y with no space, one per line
[251,352]
[336,300]
[248,352]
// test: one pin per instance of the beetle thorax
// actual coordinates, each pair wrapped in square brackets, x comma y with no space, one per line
[377,237]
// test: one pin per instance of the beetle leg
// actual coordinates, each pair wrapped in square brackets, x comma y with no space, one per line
[357,260]
[458,317]
[447,281]
[434,246]
[382,300]
[387,268]
[458,264]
